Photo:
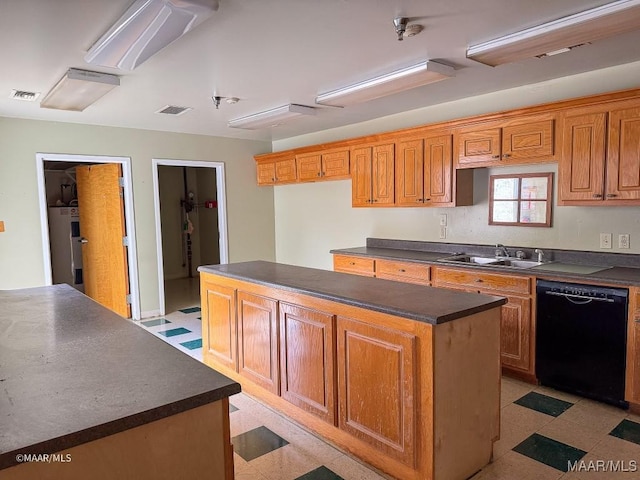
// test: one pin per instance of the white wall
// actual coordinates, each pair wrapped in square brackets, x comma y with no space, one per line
[313,218]
[249,208]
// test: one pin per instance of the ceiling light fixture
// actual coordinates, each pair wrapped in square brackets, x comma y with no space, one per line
[414,76]
[271,118]
[78,89]
[146,28]
[597,23]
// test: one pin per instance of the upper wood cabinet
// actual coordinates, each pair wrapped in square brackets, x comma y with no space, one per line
[373,175]
[500,143]
[600,162]
[277,171]
[330,165]
[424,174]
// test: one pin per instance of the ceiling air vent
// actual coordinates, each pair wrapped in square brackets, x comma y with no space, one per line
[173,110]
[24,95]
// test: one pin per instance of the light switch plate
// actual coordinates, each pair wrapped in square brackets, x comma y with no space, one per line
[443,219]
[605,240]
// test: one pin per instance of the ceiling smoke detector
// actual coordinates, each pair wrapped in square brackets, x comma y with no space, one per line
[412,30]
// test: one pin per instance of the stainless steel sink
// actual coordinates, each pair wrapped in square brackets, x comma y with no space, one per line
[491,261]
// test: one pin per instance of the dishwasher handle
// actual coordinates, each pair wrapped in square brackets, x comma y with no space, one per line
[571,297]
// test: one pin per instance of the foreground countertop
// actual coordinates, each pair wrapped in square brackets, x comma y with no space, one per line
[416,302]
[624,276]
[72,371]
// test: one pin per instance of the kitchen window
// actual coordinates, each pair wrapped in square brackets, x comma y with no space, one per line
[521,199]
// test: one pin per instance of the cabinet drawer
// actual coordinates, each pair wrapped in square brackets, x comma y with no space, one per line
[499,284]
[403,271]
[357,265]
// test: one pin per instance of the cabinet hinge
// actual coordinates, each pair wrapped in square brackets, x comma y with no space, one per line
[125,241]
[121,182]
[128,299]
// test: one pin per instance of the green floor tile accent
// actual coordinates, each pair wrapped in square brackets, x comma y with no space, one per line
[153,323]
[190,310]
[193,344]
[174,331]
[627,430]
[320,473]
[544,403]
[257,442]
[549,451]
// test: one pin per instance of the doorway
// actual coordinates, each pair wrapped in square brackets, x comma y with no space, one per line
[191,227]
[65,165]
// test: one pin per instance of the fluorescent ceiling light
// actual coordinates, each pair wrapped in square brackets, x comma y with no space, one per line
[271,118]
[584,27]
[146,28]
[78,89]
[390,83]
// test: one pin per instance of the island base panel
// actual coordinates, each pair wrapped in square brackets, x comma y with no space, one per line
[191,444]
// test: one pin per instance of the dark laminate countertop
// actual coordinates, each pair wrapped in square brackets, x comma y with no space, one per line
[624,276]
[425,304]
[72,371]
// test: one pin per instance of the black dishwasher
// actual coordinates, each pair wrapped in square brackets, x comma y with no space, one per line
[581,339]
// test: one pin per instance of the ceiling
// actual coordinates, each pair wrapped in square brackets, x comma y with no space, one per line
[271,53]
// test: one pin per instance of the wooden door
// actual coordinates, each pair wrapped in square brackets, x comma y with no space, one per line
[361,177]
[258,340]
[307,351]
[409,167]
[478,147]
[102,227]
[623,159]
[515,334]
[382,175]
[376,390]
[266,173]
[219,333]
[438,170]
[525,142]
[581,165]
[335,164]
[309,167]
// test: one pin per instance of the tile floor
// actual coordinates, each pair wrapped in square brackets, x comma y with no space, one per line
[543,432]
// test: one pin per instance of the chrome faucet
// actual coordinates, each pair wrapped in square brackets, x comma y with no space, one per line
[501,250]
[540,255]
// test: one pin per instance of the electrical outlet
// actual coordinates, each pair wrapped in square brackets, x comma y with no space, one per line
[443,231]
[443,219]
[605,240]
[623,240]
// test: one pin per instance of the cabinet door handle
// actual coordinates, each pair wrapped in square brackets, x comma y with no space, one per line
[401,270]
[319,174]
[637,320]
[612,195]
[506,155]
[273,179]
[352,263]
[426,199]
[495,156]
[479,280]
[597,195]
[419,200]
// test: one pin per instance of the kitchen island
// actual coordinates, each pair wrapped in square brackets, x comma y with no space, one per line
[85,394]
[405,377]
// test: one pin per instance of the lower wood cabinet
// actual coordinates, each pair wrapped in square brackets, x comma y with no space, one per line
[219,333]
[516,326]
[376,372]
[258,340]
[632,392]
[307,352]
